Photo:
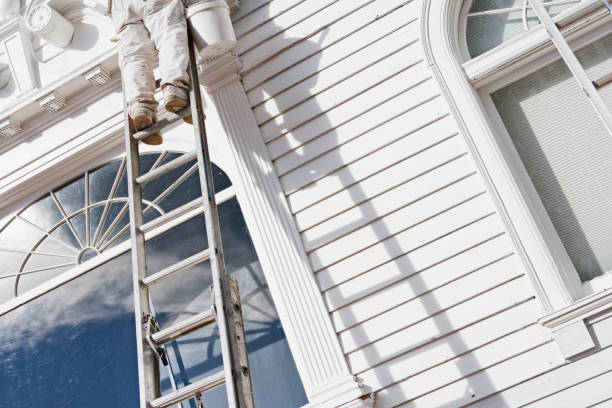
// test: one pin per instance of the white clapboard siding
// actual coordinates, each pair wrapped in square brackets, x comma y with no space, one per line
[256,49]
[247,7]
[258,17]
[423,285]
[427,305]
[493,366]
[390,26]
[417,117]
[399,220]
[415,194]
[343,113]
[598,388]
[404,242]
[417,146]
[398,67]
[353,213]
[391,200]
[393,360]
[464,250]
[291,48]
[374,56]
[563,378]
[290,21]
[473,202]
[419,283]
[378,116]
[363,186]
[482,377]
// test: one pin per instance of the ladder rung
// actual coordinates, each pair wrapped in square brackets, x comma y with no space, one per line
[161,170]
[183,327]
[177,267]
[189,391]
[156,127]
[169,216]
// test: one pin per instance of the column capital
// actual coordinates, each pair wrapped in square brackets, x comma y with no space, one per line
[219,73]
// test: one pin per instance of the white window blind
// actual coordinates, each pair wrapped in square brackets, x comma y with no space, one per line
[567,153]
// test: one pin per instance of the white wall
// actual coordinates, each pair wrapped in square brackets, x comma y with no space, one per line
[430,301]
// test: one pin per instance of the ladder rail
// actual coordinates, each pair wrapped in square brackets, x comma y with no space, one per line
[226,311]
[239,390]
[148,365]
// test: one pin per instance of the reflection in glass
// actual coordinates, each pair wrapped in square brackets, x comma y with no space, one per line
[73,223]
[75,346]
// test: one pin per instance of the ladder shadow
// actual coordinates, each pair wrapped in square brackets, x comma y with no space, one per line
[309,69]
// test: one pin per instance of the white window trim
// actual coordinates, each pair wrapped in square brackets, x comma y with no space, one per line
[235,137]
[559,294]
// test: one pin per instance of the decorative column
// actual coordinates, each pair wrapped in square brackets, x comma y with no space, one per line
[311,336]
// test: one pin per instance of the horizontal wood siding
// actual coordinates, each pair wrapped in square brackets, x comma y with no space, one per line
[430,301]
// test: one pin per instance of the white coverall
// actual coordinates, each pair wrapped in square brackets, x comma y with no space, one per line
[142,26]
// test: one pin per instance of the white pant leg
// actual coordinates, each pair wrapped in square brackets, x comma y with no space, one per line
[136,60]
[136,51]
[166,22]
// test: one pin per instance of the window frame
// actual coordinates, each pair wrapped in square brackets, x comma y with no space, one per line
[541,219]
[467,86]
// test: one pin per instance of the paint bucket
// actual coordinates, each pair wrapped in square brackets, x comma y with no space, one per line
[211,28]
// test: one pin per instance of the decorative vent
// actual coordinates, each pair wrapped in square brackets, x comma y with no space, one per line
[9,127]
[98,76]
[53,102]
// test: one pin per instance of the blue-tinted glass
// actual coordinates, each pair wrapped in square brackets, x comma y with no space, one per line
[73,347]
[199,354]
[54,335]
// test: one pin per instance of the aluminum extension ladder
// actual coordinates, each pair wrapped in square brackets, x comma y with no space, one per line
[226,311]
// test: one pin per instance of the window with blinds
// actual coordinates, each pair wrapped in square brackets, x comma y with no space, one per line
[567,152]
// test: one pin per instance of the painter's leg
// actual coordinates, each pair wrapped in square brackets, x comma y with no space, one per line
[166,22]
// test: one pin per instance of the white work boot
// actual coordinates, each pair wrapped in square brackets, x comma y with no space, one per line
[175,99]
[143,116]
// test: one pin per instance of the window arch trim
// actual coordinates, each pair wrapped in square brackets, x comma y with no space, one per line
[440,39]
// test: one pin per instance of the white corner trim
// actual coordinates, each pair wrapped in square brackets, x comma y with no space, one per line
[313,341]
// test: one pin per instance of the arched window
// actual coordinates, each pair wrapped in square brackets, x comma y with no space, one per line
[489,23]
[536,108]
[75,345]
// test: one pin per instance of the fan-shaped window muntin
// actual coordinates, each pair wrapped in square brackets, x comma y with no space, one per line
[489,23]
[81,219]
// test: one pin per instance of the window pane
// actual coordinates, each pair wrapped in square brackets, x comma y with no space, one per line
[198,354]
[566,151]
[55,350]
[73,347]
[492,22]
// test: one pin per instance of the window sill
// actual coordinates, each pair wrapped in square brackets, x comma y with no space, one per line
[569,325]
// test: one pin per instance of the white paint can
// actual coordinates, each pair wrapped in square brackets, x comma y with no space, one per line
[211,28]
